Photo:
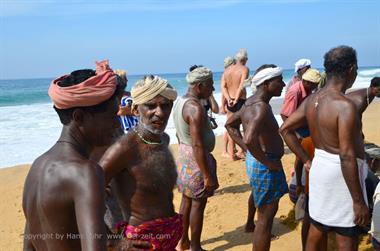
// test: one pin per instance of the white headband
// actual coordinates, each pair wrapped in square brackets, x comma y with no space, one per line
[264,75]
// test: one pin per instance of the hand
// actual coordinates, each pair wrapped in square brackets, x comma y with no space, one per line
[275,165]
[234,102]
[231,102]
[299,190]
[307,166]
[129,245]
[210,184]
[361,214]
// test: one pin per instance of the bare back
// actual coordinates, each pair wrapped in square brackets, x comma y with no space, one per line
[57,190]
[233,76]
[323,110]
[144,178]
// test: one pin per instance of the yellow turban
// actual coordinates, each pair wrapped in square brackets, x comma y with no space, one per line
[312,75]
[198,75]
[151,86]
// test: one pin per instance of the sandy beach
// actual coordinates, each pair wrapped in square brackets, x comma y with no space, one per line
[225,214]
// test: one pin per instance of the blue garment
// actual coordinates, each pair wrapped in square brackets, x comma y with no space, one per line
[267,186]
[304,132]
[128,122]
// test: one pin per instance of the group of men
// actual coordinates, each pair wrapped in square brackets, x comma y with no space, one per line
[65,190]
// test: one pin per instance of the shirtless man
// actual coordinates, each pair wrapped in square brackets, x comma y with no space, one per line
[264,148]
[234,92]
[63,199]
[363,97]
[142,170]
[336,179]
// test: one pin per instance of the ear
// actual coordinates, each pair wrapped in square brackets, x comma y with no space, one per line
[78,116]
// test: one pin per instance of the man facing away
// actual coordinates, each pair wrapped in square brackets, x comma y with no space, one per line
[142,170]
[234,92]
[337,197]
[264,147]
[63,197]
[196,166]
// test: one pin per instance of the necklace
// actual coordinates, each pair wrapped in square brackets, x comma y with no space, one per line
[80,149]
[145,140]
[367,97]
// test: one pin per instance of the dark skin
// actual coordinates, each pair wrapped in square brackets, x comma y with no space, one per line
[335,127]
[359,97]
[143,175]
[259,125]
[193,209]
[64,180]
[298,165]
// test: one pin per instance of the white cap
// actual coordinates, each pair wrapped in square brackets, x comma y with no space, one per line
[303,62]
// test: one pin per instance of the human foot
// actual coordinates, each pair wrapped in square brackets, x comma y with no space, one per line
[183,245]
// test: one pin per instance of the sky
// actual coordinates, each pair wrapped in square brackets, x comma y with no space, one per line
[48,38]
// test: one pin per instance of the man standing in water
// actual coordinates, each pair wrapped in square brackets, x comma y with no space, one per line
[264,148]
[234,92]
[337,194]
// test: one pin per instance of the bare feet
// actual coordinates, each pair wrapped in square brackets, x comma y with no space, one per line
[241,155]
[183,245]
[249,227]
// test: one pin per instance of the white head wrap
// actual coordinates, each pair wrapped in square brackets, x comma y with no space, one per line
[303,62]
[199,74]
[241,54]
[264,75]
[148,88]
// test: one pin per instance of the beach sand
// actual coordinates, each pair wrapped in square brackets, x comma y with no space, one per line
[225,214]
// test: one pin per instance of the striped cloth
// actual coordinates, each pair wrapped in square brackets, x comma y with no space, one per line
[128,122]
[267,186]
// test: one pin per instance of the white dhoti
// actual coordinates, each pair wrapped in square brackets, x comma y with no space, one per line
[330,201]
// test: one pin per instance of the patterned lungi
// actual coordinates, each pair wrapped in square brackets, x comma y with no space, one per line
[267,186]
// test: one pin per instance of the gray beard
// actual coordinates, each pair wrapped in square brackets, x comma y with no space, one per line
[152,130]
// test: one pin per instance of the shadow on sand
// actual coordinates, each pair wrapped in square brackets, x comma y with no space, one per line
[238,237]
[234,189]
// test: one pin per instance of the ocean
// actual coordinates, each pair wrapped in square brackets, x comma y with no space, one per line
[29,125]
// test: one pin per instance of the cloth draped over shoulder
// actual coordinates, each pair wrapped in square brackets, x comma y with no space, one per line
[265,75]
[90,92]
[150,87]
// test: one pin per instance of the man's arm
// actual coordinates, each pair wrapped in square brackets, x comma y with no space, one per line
[193,114]
[347,130]
[287,130]
[88,196]
[244,76]
[233,128]
[225,92]
[112,160]
[28,246]
[251,136]
[214,105]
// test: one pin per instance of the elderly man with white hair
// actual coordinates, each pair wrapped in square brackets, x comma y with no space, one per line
[265,148]
[196,166]
[234,92]
[142,171]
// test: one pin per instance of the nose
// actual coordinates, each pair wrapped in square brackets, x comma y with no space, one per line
[159,112]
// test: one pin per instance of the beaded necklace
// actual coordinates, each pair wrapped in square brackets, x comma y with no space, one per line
[145,140]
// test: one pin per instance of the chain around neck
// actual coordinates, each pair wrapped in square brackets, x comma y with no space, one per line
[145,140]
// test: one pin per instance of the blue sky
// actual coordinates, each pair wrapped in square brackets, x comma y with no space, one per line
[46,38]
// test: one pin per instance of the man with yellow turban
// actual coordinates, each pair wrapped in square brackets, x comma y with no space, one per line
[142,171]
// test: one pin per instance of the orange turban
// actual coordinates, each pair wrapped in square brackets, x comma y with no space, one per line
[90,92]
